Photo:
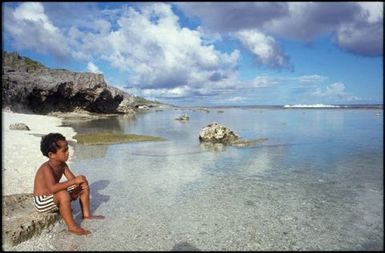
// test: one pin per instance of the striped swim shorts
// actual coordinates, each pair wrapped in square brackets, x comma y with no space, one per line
[45,203]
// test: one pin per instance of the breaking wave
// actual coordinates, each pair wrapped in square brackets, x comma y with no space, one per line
[311,106]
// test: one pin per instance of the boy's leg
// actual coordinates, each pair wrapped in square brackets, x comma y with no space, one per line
[84,200]
[63,200]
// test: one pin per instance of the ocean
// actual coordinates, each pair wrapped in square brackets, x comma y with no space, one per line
[316,183]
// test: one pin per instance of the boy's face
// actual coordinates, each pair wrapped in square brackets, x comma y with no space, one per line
[62,153]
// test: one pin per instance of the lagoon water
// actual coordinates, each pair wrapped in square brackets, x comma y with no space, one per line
[315,184]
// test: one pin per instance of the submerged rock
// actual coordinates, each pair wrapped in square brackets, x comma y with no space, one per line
[217,133]
[248,143]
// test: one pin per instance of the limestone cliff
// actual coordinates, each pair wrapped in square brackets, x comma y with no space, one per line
[29,86]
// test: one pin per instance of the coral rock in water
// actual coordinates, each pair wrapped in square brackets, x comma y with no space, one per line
[217,133]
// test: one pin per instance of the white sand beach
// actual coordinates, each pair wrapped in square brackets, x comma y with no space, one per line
[21,149]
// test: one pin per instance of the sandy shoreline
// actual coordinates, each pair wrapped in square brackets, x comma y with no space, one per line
[21,149]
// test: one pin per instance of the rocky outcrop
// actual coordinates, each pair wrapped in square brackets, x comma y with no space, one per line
[28,86]
[20,219]
[216,133]
[215,137]
[128,103]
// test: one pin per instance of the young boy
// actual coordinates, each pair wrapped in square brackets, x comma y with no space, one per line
[50,195]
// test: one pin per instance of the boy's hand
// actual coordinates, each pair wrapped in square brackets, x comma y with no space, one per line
[84,186]
[80,179]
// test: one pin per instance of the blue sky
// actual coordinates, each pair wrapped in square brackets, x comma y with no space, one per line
[211,53]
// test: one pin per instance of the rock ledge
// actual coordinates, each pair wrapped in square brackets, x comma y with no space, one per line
[21,221]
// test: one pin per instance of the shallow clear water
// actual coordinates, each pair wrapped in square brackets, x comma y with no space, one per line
[315,184]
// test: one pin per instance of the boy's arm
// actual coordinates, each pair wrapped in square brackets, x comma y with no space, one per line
[53,186]
[68,173]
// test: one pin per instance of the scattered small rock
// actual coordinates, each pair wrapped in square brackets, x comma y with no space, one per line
[184,117]
[19,126]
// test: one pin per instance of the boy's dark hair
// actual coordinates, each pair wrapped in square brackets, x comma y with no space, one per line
[48,143]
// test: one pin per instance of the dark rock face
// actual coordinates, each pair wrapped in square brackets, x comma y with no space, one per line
[29,86]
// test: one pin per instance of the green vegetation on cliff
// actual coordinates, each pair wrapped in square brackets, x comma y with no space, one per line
[16,61]
[31,63]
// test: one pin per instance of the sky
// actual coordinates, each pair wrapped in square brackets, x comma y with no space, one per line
[211,53]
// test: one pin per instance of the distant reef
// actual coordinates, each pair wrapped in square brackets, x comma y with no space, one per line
[29,86]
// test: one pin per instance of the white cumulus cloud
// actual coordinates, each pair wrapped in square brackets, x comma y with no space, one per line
[373,10]
[31,28]
[93,68]
[264,47]
[145,42]
[335,92]
[150,44]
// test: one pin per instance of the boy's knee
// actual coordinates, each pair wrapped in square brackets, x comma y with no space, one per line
[62,196]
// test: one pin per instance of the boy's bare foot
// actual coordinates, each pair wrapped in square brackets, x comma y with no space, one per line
[94,217]
[79,231]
